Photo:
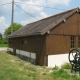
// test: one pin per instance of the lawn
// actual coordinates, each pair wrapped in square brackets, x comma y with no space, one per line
[3,45]
[13,68]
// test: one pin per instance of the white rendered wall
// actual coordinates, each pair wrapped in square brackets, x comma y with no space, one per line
[57,60]
[10,49]
[33,55]
[27,54]
[17,51]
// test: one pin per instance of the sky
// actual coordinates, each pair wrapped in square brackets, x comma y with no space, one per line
[33,10]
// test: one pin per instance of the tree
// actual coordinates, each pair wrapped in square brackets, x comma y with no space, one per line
[16,26]
[0,36]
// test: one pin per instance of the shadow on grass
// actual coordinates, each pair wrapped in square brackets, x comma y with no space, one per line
[22,57]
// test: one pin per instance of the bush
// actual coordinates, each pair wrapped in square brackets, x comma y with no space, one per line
[1,42]
[4,41]
[66,66]
[55,68]
[75,77]
[61,74]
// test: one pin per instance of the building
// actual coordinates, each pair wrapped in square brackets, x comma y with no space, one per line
[48,41]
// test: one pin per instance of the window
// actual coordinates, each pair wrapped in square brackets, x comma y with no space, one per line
[72,42]
[79,42]
[24,41]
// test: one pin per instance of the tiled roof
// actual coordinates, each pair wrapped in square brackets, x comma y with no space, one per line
[42,26]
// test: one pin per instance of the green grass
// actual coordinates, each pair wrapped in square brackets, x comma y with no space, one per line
[61,74]
[3,45]
[66,66]
[55,68]
[13,68]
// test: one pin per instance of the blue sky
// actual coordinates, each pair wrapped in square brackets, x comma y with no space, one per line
[37,12]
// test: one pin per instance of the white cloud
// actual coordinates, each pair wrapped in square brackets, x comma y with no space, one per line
[30,6]
[5,8]
[41,15]
[34,10]
[58,2]
[37,12]
[24,22]
[3,25]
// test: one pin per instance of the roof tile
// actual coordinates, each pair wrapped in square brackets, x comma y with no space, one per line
[38,27]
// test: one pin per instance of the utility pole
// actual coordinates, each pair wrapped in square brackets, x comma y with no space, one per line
[12,17]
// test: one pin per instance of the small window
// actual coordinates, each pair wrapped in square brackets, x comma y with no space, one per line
[72,42]
[24,41]
[79,42]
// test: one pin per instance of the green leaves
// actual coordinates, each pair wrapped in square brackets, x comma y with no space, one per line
[16,26]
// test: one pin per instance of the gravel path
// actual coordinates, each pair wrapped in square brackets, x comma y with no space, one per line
[3,48]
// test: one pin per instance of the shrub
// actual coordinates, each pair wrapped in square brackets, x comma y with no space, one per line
[61,74]
[55,68]
[1,42]
[74,77]
[4,41]
[66,66]
[44,73]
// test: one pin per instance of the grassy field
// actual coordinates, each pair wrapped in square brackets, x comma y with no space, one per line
[13,68]
[3,45]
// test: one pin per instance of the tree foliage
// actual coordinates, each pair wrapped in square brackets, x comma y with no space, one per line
[16,26]
[0,36]
[3,40]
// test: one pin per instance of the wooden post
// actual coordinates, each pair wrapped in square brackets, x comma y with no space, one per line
[12,17]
